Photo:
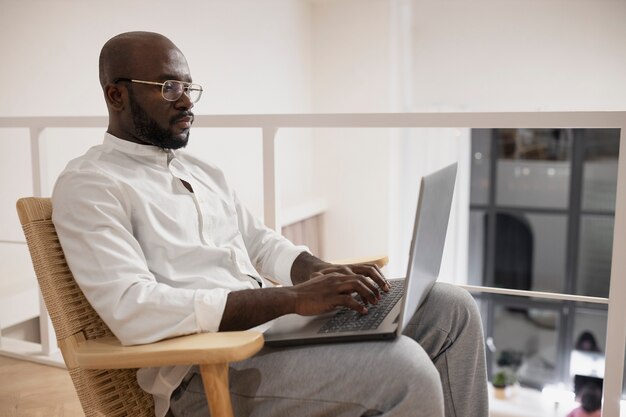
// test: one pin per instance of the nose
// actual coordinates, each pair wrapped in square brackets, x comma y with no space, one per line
[184,102]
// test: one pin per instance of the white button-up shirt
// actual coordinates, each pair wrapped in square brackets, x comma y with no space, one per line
[154,259]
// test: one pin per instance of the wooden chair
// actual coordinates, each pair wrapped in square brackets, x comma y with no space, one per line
[102,370]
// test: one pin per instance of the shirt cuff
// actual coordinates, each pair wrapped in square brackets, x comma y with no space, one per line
[282,268]
[209,308]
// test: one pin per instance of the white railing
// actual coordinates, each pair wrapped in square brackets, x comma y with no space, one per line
[270,124]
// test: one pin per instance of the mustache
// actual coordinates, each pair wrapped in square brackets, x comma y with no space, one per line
[182,115]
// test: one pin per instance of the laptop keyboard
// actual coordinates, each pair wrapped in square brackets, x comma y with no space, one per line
[347,320]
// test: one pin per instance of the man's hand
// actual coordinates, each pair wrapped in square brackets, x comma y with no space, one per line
[307,266]
[331,289]
[368,270]
[319,287]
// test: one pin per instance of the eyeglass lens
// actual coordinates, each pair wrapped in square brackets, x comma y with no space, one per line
[172,90]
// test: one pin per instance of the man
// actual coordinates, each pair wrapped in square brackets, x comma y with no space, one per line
[161,246]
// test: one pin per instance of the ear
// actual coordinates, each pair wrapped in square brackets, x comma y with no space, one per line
[115,96]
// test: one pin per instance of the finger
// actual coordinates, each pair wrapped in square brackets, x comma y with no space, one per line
[361,285]
[372,271]
[370,284]
[351,303]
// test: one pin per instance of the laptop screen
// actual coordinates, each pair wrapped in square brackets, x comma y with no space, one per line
[429,237]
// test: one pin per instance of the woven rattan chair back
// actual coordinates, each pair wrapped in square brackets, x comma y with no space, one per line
[109,392]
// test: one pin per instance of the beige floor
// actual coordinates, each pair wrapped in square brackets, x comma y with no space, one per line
[32,390]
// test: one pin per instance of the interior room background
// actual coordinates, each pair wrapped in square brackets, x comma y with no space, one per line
[320,56]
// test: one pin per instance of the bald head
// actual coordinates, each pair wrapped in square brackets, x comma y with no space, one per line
[124,54]
[133,68]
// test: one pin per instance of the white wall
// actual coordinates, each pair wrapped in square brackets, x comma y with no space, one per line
[351,72]
[251,57]
[519,55]
[371,176]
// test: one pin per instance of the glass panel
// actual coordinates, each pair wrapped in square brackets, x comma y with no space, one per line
[529,337]
[481,154]
[600,170]
[594,255]
[533,168]
[530,251]
[476,247]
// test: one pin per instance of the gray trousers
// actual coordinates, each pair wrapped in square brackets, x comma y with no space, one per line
[439,364]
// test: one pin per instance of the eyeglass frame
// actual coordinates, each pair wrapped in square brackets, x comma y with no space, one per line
[186,87]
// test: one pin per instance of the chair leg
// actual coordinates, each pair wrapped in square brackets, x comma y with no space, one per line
[215,379]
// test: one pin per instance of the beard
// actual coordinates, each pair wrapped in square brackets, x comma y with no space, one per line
[148,130]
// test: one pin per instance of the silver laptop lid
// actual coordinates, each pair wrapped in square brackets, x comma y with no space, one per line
[429,237]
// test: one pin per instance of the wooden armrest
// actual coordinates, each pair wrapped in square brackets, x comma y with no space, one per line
[200,349]
[379,261]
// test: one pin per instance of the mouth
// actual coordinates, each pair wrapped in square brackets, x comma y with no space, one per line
[184,122]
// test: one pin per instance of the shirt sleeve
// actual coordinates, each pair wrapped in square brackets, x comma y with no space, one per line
[92,216]
[272,254]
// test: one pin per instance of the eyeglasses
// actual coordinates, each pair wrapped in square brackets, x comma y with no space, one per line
[172,90]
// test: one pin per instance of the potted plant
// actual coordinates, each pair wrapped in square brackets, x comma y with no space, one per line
[505,374]
[499,382]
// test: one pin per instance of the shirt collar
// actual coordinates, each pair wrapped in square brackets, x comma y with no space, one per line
[160,155]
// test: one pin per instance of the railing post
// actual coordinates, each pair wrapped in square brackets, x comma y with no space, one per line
[616,320]
[40,189]
[270,189]
[37,161]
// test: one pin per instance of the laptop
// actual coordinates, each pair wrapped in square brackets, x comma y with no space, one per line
[387,319]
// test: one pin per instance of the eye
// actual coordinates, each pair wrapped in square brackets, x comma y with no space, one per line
[169,87]
[172,90]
